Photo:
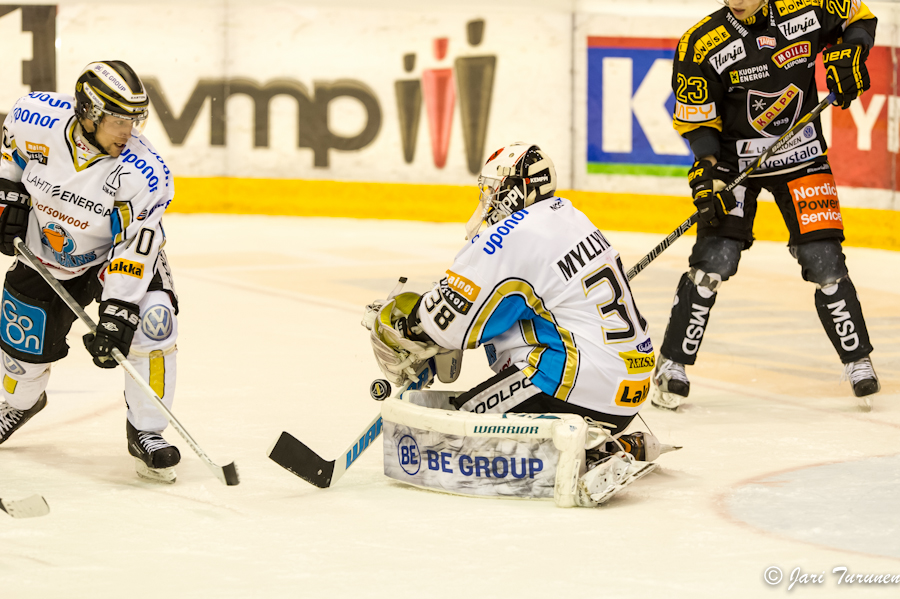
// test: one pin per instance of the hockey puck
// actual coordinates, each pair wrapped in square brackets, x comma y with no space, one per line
[380,389]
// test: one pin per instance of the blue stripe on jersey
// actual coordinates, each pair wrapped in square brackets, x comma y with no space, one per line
[17,158]
[552,365]
[115,222]
[511,309]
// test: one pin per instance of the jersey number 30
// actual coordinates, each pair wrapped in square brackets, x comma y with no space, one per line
[616,304]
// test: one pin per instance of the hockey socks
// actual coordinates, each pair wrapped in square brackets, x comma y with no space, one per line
[841,315]
[688,321]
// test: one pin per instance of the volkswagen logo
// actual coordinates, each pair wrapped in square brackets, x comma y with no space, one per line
[157,322]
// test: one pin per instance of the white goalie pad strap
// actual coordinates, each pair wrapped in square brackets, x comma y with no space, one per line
[532,456]
[431,398]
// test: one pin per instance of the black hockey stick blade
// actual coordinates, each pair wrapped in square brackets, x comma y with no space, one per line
[30,507]
[230,474]
[294,456]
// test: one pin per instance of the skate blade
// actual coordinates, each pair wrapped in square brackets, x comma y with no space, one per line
[663,448]
[866,403]
[644,469]
[664,401]
[159,475]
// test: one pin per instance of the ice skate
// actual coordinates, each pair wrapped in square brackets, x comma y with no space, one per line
[609,476]
[11,418]
[645,447]
[670,384]
[863,380]
[154,457]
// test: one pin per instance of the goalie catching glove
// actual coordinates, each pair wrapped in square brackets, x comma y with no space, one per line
[845,72]
[399,343]
[712,200]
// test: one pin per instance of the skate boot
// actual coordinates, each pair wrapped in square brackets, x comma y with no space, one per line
[670,384]
[154,458]
[863,379]
[11,418]
[609,476]
[643,446]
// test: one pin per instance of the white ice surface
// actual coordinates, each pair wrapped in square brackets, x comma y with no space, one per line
[775,449]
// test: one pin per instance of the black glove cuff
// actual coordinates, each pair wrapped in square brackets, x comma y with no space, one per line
[14,193]
[122,312]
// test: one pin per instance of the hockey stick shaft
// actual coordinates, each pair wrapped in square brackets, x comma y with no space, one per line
[743,176]
[228,473]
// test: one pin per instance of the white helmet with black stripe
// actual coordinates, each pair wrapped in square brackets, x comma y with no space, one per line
[513,178]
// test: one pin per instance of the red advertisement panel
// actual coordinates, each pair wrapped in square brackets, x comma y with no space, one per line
[862,152]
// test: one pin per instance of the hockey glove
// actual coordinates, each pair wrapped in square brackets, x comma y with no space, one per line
[712,204]
[118,322]
[15,203]
[396,353]
[845,72]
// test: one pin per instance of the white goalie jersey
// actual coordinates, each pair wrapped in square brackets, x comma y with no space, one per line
[87,208]
[544,291]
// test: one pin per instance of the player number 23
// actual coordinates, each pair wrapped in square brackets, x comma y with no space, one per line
[691,90]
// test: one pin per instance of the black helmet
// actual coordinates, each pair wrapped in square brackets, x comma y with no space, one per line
[111,87]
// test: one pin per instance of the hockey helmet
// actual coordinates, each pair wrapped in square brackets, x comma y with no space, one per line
[514,177]
[111,87]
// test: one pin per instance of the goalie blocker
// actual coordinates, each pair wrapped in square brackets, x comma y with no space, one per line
[530,456]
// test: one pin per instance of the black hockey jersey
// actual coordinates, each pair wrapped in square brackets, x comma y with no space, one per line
[752,82]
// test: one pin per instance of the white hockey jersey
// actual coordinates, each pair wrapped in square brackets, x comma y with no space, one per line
[544,291]
[88,208]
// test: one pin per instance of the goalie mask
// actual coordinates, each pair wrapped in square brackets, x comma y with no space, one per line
[514,177]
[111,88]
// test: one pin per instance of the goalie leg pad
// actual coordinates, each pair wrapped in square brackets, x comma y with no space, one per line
[431,398]
[485,455]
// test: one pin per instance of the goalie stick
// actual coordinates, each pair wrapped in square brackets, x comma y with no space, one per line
[30,507]
[295,456]
[226,474]
[771,150]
